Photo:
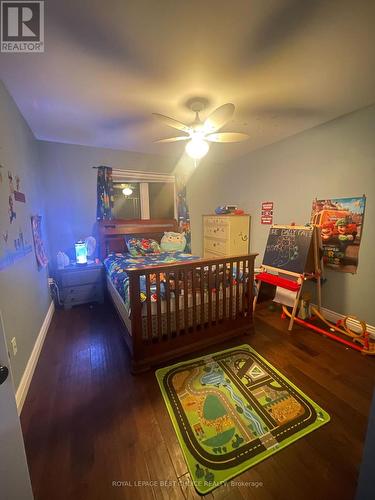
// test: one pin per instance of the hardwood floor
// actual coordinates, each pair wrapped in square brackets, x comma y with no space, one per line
[89,424]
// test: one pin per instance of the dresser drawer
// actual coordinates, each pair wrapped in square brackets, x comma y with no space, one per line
[82,292]
[216,220]
[216,246]
[217,230]
[211,255]
[83,277]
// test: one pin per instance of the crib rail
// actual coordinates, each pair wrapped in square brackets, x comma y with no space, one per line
[190,303]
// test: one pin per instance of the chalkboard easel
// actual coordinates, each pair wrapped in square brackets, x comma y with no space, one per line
[292,251]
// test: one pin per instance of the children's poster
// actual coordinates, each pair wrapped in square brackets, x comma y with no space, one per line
[15,235]
[341,223]
[40,254]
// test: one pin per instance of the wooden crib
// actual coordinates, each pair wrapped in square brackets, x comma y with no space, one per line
[204,301]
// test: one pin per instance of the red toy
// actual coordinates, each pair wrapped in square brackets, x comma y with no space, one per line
[359,341]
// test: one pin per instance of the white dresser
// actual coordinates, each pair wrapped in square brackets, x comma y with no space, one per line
[225,235]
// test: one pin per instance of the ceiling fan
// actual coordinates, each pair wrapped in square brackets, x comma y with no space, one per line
[199,133]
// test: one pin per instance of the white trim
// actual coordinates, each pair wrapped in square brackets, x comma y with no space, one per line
[119,175]
[24,385]
[334,316]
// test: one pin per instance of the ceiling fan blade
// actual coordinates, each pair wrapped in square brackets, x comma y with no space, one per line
[174,139]
[171,122]
[218,118]
[227,137]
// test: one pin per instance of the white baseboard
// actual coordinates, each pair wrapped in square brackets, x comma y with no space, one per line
[24,385]
[354,325]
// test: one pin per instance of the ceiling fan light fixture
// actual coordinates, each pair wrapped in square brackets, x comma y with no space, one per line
[201,134]
[127,191]
[197,148]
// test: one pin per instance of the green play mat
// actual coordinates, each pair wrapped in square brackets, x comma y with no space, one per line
[232,409]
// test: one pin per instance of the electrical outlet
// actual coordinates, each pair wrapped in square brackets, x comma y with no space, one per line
[14,345]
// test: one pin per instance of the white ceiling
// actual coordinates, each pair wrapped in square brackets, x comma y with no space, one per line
[287,65]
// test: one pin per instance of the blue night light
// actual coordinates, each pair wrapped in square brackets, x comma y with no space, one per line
[81,252]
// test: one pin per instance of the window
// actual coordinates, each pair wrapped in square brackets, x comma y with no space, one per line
[161,200]
[126,201]
[143,195]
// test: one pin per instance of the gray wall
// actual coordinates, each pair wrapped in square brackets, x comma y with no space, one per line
[205,191]
[24,297]
[336,159]
[70,185]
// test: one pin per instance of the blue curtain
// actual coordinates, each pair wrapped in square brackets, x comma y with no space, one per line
[183,211]
[104,193]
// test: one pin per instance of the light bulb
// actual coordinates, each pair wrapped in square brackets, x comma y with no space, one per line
[127,191]
[196,148]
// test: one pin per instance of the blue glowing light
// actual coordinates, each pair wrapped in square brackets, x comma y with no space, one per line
[81,252]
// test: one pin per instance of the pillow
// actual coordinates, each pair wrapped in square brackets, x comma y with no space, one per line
[144,246]
[173,242]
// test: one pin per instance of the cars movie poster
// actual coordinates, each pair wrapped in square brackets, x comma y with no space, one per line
[340,221]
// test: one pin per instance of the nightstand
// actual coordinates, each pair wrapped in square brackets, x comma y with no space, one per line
[81,284]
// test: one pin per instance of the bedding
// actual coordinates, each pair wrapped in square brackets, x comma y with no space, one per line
[173,242]
[116,265]
[144,246]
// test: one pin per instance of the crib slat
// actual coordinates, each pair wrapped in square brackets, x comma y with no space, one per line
[168,300]
[243,288]
[231,285]
[202,295]
[177,301]
[210,283]
[136,314]
[224,281]
[194,292]
[186,300]
[249,289]
[158,305]
[237,288]
[217,286]
[243,294]
[148,306]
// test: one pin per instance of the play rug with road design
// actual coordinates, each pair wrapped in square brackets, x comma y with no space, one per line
[231,410]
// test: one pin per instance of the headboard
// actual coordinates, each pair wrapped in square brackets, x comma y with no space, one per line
[112,232]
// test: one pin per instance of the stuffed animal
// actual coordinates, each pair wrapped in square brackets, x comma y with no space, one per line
[173,242]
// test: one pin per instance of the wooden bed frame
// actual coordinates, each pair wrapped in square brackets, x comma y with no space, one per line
[202,276]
